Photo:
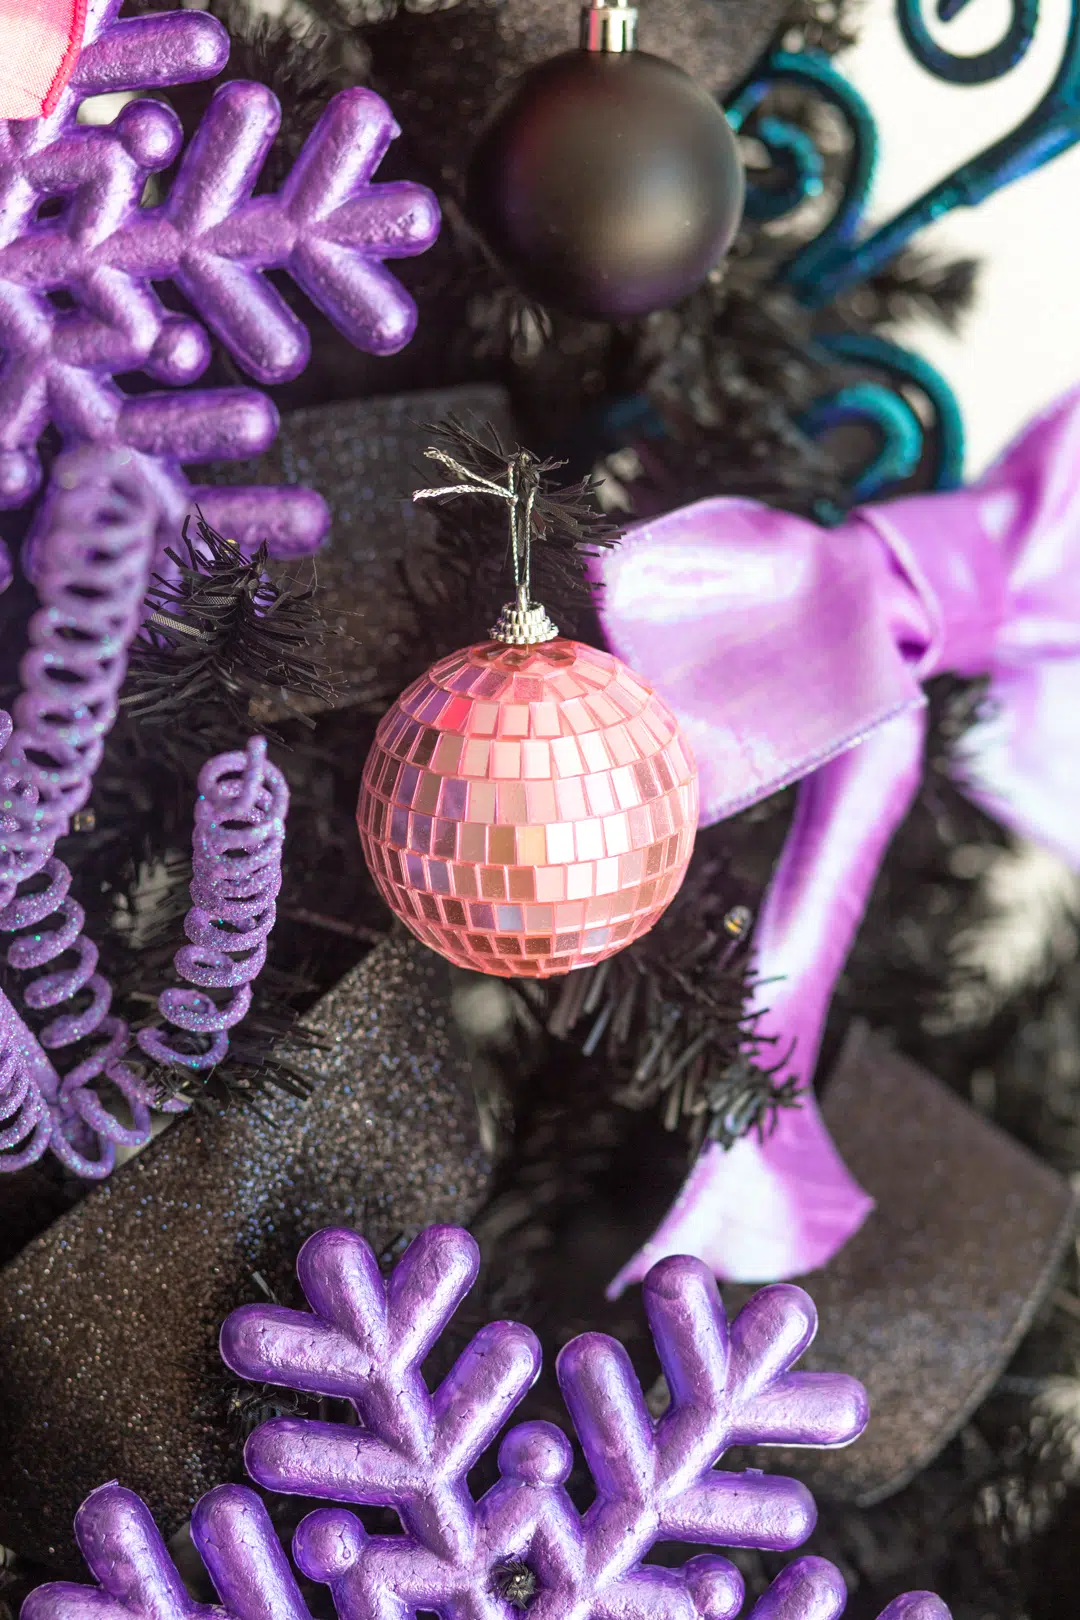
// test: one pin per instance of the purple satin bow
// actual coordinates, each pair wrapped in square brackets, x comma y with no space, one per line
[793,653]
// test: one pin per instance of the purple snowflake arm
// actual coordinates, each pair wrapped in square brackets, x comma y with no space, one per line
[329,227]
[237,844]
[138,1580]
[95,555]
[813,1589]
[234,1536]
[148,53]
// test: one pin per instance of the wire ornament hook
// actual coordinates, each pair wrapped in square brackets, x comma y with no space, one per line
[523,622]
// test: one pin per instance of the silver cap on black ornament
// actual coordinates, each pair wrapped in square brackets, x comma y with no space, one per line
[611,29]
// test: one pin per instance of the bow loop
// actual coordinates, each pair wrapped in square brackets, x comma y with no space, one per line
[792,652]
[775,642]
[1001,562]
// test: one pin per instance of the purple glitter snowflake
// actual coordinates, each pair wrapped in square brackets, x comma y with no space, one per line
[656,1480]
[78,298]
[236,846]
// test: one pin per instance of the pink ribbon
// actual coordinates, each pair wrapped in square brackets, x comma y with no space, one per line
[794,653]
[39,44]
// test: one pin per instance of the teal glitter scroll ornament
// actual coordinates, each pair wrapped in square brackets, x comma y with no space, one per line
[909,409]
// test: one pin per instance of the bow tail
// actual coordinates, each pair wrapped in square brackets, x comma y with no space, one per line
[1020,762]
[763,1211]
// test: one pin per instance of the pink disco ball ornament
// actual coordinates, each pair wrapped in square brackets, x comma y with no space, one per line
[528,809]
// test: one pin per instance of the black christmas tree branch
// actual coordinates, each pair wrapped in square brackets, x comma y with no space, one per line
[255,1066]
[916,284]
[566,518]
[669,1017]
[220,635]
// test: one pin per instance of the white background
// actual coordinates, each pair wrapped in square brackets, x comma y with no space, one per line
[1021,345]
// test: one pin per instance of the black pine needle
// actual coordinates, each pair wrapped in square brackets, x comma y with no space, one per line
[917,284]
[515,1582]
[565,517]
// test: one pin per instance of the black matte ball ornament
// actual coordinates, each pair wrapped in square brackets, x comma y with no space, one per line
[608,185]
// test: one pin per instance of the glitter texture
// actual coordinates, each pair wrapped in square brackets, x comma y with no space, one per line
[527,811]
[366,1338]
[109,1321]
[927,1303]
[236,878]
[94,554]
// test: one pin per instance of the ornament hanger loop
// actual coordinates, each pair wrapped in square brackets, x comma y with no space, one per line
[522,623]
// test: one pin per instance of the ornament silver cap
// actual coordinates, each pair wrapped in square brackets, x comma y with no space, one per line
[524,624]
[609,28]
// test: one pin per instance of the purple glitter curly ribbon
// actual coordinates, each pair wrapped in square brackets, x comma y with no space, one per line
[39,1111]
[329,227]
[95,554]
[29,1092]
[237,844]
[95,557]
